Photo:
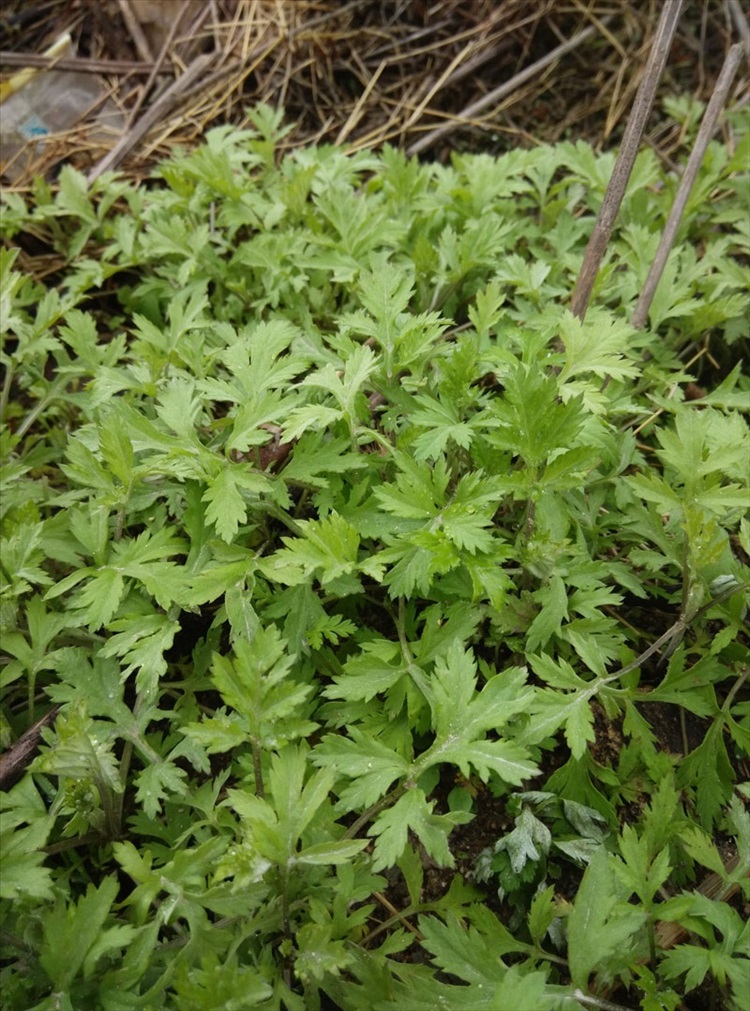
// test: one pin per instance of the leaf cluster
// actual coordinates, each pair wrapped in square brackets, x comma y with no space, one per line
[327,526]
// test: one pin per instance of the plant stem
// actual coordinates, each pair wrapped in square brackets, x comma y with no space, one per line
[618,182]
[678,628]
[414,671]
[258,769]
[707,129]
[5,394]
[734,689]
[127,756]
[652,942]
[598,1002]
[40,407]
[390,798]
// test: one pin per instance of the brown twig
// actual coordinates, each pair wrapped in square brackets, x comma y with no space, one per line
[78,63]
[158,110]
[706,132]
[158,64]
[136,32]
[497,94]
[14,760]
[739,18]
[626,157]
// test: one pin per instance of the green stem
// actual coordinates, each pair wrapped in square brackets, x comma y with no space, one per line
[109,806]
[598,1002]
[286,921]
[258,769]
[734,689]
[677,629]
[413,670]
[652,941]
[127,755]
[40,407]
[88,839]
[5,394]
[390,798]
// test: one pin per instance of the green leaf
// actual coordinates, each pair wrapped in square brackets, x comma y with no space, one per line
[532,422]
[461,717]
[466,951]
[328,548]
[529,841]
[542,912]
[688,960]
[276,826]
[413,812]
[331,852]
[258,685]
[23,848]
[371,765]
[601,928]
[551,709]
[638,871]
[158,781]
[553,599]
[596,345]
[374,670]
[318,955]
[71,931]
[227,506]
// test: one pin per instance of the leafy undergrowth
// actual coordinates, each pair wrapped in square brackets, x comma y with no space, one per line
[367,578]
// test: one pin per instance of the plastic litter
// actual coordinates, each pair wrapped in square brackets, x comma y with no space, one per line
[36,104]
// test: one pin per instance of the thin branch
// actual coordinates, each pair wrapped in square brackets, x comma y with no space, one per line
[380,805]
[497,94]
[14,760]
[137,34]
[598,1002]
[706,132]
[677,629]
[740,23]
[158,110]
[78,63]
[160,59]
[626,157]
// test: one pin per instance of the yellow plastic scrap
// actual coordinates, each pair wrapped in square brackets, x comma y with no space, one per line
[22,78]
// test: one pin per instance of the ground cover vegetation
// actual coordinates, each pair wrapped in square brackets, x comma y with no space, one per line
[369,585]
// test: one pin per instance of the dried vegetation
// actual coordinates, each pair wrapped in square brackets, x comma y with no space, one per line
[425,76]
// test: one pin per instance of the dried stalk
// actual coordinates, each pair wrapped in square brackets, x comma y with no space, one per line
[157,111]
[497,94]
[79,64]
[626,157]
[737,15]
[706,132]
[136,32]
[157,67]
[13,762]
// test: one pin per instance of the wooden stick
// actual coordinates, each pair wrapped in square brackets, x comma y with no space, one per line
[158,65]
[626,157]
[706,132]
[158,110]
[136,32]
[78,63]
[740,23]
[14,760]
[497,94]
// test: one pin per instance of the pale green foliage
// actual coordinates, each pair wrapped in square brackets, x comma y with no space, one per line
[341,544]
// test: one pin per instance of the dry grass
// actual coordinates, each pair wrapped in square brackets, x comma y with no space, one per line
[427,75]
